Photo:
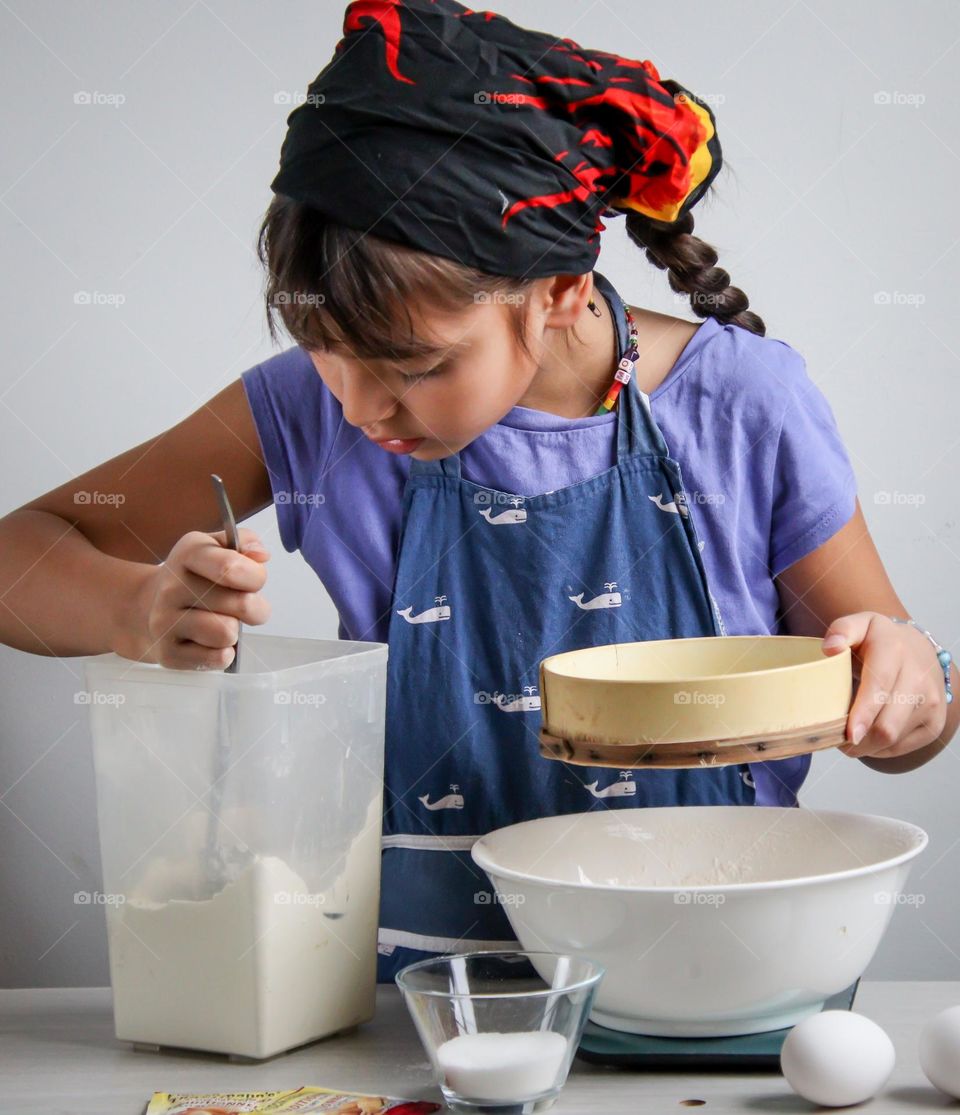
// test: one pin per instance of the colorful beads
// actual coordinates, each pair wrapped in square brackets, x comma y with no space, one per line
[625,367]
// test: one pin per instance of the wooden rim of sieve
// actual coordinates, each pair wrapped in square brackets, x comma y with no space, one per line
[643,754]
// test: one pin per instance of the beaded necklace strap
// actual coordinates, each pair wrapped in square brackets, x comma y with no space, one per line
[626,366]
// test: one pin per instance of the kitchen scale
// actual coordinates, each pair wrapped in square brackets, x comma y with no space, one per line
[604,1046]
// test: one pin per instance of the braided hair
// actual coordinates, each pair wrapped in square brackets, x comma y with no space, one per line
[690,266]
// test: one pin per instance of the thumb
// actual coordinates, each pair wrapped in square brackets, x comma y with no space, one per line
[255,550]
[250,544]
[847,631]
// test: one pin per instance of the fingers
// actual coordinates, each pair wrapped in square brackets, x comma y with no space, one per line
[910,717]
[915,738]
[192,591]
[880,668]
[176,655]
[194,638]
[250,543]
[897,704]
[206,629]
[846,631]
[204,592]
[890,718]
[206,555]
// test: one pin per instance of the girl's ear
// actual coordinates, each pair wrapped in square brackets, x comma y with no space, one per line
[566,297]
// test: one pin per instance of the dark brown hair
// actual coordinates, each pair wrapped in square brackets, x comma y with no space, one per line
[691,269]
[335,286]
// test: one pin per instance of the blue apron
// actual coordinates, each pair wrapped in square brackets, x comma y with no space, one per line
[487,585]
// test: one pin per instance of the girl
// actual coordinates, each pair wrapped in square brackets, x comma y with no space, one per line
[478,448]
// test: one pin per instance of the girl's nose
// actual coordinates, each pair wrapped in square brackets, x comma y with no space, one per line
[366,401]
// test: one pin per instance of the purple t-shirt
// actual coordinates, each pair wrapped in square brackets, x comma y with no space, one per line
[765,471]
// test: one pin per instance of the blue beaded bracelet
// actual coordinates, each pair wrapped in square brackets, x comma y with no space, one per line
[944,657]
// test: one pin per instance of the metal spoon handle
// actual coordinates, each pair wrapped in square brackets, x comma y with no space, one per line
[233,542]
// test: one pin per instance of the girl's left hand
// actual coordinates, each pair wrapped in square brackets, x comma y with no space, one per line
[900,703]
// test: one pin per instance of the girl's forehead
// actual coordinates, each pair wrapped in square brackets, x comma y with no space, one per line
[439,332]
[458,342]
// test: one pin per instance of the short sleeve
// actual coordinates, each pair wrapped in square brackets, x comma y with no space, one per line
[814,487]
[296,423]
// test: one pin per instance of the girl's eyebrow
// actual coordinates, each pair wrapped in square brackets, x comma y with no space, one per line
[441,362]
[435,349]
[425,351]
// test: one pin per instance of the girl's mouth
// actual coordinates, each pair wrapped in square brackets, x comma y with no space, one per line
[400,445]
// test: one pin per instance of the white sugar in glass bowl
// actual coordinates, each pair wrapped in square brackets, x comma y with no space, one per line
[500,1028]
[709,920]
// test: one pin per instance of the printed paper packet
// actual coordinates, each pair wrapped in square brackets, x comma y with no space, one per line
[297,1099]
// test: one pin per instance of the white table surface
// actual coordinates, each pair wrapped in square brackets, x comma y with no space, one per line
[59,1056]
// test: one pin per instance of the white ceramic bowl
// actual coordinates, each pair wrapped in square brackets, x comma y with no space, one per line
[709,920]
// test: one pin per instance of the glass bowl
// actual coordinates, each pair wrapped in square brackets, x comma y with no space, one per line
[500,1028]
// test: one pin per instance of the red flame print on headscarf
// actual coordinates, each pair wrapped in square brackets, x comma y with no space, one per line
[658,173]
[387,14]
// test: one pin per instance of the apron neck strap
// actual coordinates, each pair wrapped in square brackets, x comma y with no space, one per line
[636,430]
[444,466]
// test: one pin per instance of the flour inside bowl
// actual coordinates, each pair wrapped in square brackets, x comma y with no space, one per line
[700,847]
[704,855]
[666,872]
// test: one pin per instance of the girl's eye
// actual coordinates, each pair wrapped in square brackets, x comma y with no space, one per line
[439,369]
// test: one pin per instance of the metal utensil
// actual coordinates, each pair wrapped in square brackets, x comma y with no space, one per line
[216,859]
[233,543]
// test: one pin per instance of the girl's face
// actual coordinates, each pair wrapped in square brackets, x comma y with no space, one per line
[449,399]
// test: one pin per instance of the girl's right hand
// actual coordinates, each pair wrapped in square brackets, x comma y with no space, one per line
[191,606]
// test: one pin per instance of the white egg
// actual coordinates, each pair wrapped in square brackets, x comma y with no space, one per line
[940,1051]
[836,1058]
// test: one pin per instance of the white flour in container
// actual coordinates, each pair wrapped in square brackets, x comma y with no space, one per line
[255,969]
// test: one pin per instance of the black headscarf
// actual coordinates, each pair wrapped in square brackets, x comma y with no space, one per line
[459,133]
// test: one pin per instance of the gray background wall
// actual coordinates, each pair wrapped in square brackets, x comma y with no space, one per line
[836,213]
